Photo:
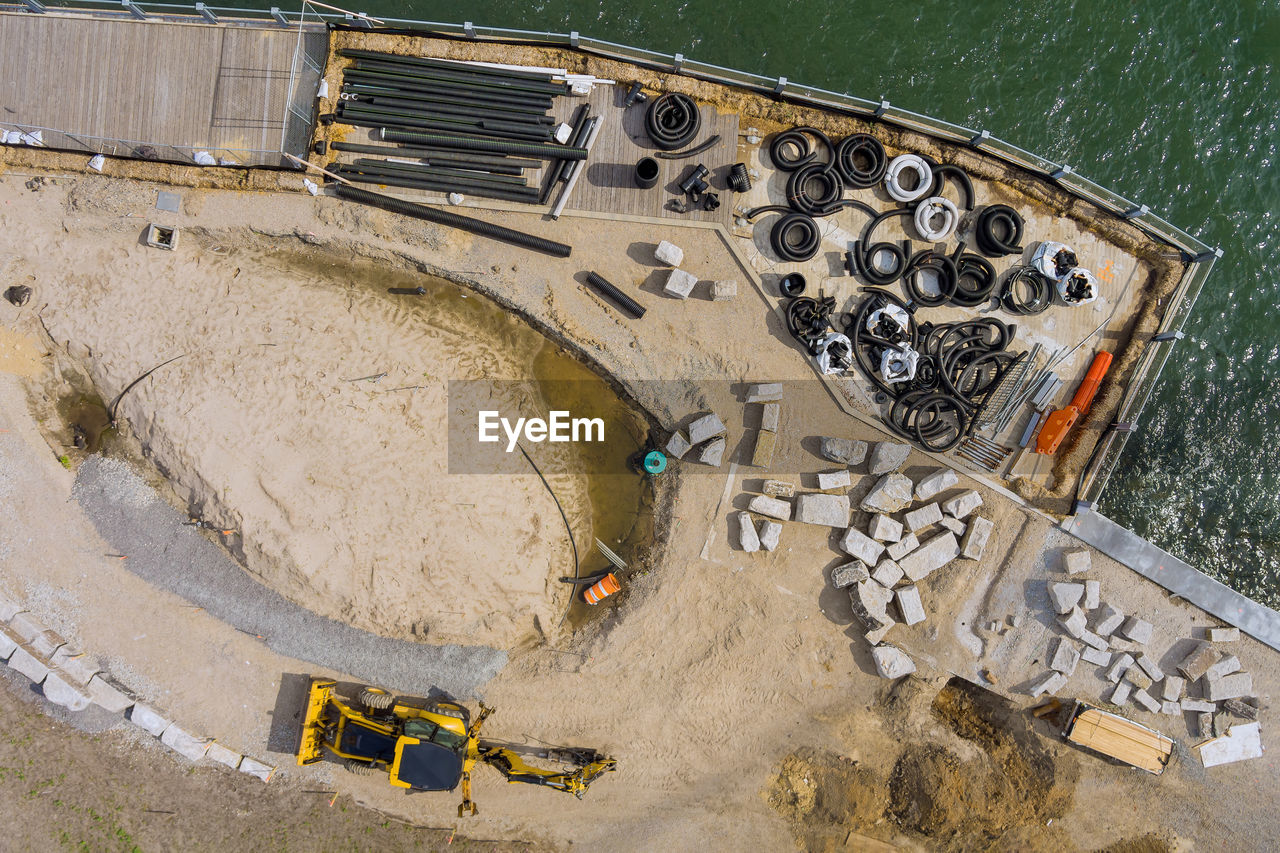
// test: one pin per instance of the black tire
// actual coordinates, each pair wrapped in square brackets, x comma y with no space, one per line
[376,699]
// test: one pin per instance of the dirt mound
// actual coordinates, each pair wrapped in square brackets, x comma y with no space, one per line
[826,795]
[1141,844]
[1015,782]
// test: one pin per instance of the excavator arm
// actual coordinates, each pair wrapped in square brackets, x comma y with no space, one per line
[516,770]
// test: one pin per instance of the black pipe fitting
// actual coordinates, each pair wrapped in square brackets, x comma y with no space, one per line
[646,173]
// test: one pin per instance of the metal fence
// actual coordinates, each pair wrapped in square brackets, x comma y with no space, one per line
[1198,255]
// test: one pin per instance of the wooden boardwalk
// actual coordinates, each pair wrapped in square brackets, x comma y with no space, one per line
[115,85]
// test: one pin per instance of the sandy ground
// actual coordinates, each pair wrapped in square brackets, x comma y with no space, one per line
[740,704]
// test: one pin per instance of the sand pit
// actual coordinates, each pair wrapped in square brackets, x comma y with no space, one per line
[306,411]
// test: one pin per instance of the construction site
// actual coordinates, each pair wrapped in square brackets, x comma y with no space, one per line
[304,508]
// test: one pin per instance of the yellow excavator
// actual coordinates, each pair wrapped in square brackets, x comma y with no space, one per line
[428,747]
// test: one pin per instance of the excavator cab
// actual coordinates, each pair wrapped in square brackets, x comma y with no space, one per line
[431,747]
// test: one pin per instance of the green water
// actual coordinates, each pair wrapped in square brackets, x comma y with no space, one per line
[1172,105]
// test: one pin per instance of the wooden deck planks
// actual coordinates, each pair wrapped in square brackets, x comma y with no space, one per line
[193,86]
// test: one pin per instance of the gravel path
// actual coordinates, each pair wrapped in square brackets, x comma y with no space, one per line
[136,521]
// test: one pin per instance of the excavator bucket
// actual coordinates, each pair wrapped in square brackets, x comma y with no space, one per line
[311,749]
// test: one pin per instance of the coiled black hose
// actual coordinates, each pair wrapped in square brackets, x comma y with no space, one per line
[672,121]
[814,188]
[1026,291]
[945,271]
[865,252]
[940,174]
[975,280]
[453,220]
[796,138]
[998,231]
[739,180]
[861,160]
[795,237]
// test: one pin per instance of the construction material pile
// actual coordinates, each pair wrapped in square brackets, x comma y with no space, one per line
[460,127]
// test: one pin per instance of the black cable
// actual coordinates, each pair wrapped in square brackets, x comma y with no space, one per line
[795,237]
[1026,291]
[801,192]
[111,412]
[797,138]
[564,517]
[998,231]
[697,149]
[861,160]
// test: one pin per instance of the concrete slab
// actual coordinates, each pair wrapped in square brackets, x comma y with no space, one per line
[74,664]
[1198,706]
[1198,660]
[669,254]
[1119,666]
[778,489]
[891,662]
[887,573]
[848,574]
[1093,641]
[1051,683]
[705,428]
[922,517]
[884,529]
[748,539]
[772,507]
[1092,595]
[1240,743]
[25,626]
[1120,693]
[1225,666]
[108,696]
[955,525]
[910,605]
[1139,679]
[846,451]
[1074,623]
[1224,635]
[59,691]
[1107,620]
[257,769]
[855,543]
[887,456]
[962,504]
[762,451]
[769,532]
[712,453]
[1065,657]
[1228,687]
[1064,596]
[219,753]
[1177,576]
[1095,657]
[149,720]
[903,547]
[1137,630]
[7,645]
[930,556]
[824,510]
[44,644]
[678,445]
[1173,687]
[764,392]
[1076,560]
[935,484]
[28,664]
[770,414]
[1143,698]
[724,290]
[1173,709]
[9,608]
[187,745]
[869,600]
[1148,665]
[891,493]
[839,479]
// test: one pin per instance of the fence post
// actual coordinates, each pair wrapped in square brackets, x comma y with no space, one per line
[134,10]
[469,29]
[882,109]
[979,138]
[33,6]
[358,21]
[279,16]
[1061,172]
[677,62]
[1136,211]
[573,38]
[206,14]
[782,84]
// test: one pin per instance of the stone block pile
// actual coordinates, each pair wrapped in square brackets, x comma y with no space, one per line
[704,441]
[1209,682]
[72,679]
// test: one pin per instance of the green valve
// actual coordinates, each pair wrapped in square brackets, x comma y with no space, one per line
[655,462]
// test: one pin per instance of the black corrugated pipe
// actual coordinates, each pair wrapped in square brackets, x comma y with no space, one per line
[453,220]
[497,78]
[366,165]
[472,110]
[466,143]
[626,303]
[492,84]
[441,186]
[450,124]
[372,91]
[449,159]
[463,182]
[453,91]
[430,62]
